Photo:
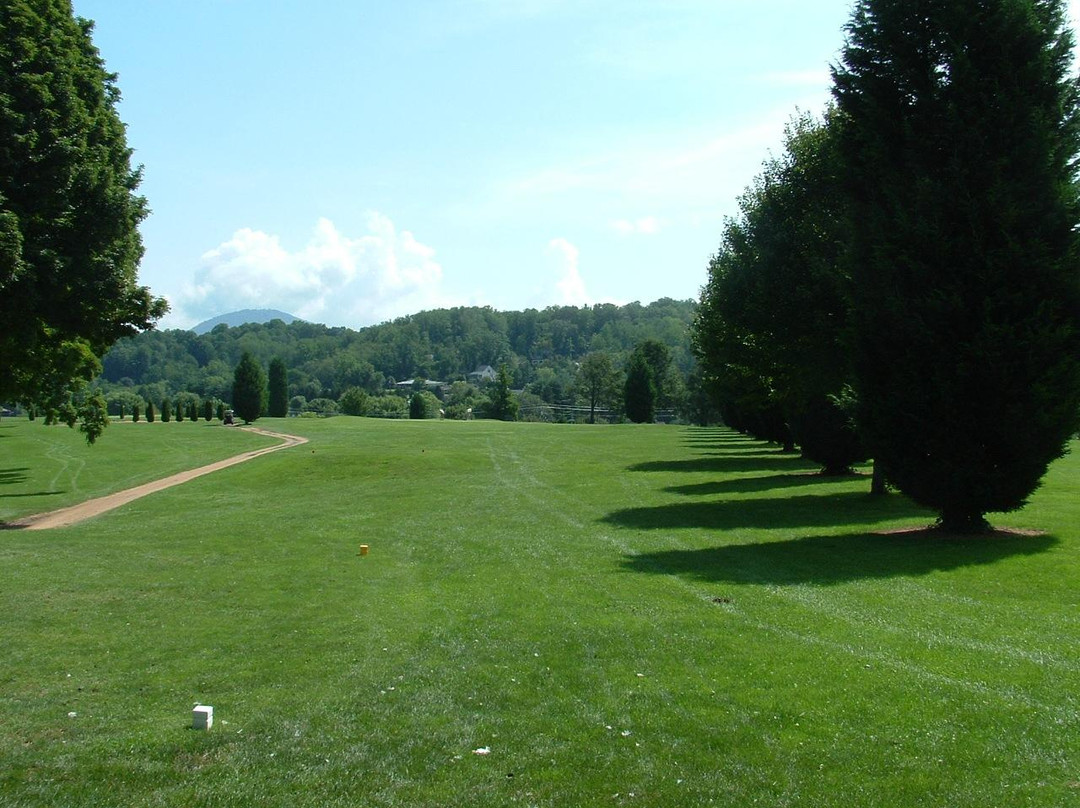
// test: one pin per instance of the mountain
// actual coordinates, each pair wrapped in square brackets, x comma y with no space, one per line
[235,318]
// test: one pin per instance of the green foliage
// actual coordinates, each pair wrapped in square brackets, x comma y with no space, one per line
[461,401]
[771,330]
[136,411]
[166,411]
[69,214]
[353,401]
[418,405]
[389,406]
[962,130]
[208,410]
[249,394]
[698,406]
[597,382]
[149,412]
[93,416]
[179,411]
[540,349]
[322,406]
[501,404]
[639,390]
[658,357]
[122,401]
[278,402]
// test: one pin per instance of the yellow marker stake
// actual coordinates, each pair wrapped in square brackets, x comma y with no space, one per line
[363,549]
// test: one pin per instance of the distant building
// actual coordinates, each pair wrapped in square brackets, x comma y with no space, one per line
[484,373]
[429,384]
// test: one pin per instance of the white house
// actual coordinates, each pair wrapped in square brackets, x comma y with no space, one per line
[484,373]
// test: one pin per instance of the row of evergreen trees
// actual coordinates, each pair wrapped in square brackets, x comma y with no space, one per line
[168,410]
[902,283]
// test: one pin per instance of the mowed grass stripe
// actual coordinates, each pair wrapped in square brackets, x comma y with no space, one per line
[546,592]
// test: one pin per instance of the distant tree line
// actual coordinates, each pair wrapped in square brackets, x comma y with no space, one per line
[560,357]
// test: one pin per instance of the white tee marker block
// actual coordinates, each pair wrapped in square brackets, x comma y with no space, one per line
[202,717]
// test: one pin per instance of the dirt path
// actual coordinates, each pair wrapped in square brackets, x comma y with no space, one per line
[85,510]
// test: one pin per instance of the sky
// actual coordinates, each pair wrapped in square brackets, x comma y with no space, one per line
[353,161]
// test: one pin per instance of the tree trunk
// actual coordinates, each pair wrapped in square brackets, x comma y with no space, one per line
[964,523]
[878,483]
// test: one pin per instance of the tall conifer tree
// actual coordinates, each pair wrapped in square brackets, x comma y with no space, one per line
[249,389]
[962,137]
[278,406]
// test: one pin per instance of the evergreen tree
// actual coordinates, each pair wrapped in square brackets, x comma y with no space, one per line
[208,410]
[135,413]
[640,390]
[249,394]
[179,411]
[278,406]
[417,406]
[771,328]
[503,405]
[658,357]
[149,412]
[166,410]
[69,214]
[961,136]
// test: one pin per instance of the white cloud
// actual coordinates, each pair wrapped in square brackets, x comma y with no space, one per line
[570,285]
[334,278]
[647,225]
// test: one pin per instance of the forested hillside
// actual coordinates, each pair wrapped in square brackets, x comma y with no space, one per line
[539,347]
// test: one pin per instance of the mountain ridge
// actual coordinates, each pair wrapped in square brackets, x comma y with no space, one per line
[241,317]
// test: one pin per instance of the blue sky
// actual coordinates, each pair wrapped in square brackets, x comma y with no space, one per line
[351,161]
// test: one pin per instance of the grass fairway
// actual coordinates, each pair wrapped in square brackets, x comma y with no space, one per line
[620,615]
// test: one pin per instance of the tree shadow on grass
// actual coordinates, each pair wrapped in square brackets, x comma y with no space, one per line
[32,494]
[826,510]
[747,485]
[726,440]
[12,475]
[834,559]
[729,462]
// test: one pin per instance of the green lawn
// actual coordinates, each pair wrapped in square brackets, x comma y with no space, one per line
[621,615]
[45,468]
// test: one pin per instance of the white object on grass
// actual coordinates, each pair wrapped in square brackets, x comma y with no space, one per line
[202,717]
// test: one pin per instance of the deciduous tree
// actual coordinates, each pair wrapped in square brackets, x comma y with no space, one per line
[69,211]
[597,381]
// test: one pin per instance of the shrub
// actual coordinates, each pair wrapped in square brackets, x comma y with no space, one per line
[353,401]
[387,407]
